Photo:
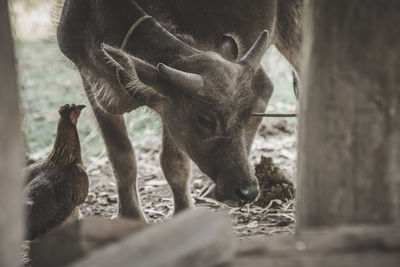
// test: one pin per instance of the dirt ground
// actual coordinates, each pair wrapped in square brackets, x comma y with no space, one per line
[276,139]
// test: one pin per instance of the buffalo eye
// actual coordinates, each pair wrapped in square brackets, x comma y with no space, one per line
[207,122]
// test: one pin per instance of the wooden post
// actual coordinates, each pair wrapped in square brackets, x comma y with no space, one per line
[349,141]
[349,137]
[11,222]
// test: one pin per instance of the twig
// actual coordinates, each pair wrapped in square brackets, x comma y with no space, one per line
[207,190]
[289,115]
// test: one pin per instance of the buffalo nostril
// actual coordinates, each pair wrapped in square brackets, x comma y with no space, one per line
[244,195]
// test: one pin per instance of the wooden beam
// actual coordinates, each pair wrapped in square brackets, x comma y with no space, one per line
[11,214]
[344,246]
[194,238]
[357,259]
[349,127]
[74,241]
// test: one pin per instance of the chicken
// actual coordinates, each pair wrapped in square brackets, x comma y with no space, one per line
[57,185]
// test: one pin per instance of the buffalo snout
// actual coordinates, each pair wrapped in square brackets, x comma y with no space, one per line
[247,195]
[236,195]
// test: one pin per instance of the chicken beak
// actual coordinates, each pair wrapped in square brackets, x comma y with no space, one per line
[80,107]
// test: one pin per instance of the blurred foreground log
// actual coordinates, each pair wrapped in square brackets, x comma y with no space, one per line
[363,246]
[11,220]
[194,238]
[73,241]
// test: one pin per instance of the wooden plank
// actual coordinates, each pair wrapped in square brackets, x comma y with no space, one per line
[71,242]
[349,127]
[194,238]
[343,246]
[11,222]
[364,259]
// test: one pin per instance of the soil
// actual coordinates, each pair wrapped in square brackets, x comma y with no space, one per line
[272,213]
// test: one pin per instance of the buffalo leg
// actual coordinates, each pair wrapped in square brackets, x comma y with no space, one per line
[263,87]
[176,168]
[121,155]
[289,30]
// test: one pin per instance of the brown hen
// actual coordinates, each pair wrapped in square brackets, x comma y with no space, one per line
[57,185]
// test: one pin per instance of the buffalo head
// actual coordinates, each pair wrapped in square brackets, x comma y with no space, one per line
[205,102]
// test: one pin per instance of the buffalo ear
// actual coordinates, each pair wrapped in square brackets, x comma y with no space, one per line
[137,69]
[229,48]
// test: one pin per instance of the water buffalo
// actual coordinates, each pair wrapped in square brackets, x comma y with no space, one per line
[197,64]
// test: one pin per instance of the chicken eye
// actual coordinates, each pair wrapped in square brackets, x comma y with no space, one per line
[207,122]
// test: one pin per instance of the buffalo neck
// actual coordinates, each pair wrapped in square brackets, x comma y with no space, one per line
[152,43]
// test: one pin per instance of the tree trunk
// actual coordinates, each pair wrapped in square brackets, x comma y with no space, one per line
[349,137]
[11,223]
